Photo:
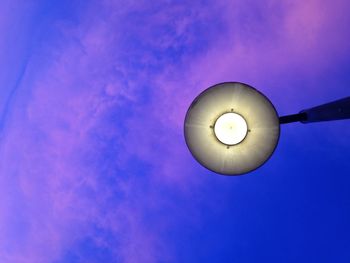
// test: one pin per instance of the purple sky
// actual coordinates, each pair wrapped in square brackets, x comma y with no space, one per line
[93,163]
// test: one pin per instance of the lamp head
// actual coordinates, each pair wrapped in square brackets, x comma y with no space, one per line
[231,128]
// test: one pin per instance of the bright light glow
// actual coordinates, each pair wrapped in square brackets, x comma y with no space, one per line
[230,128]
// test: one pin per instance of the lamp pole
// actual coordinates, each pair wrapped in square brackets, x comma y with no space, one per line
[336,110]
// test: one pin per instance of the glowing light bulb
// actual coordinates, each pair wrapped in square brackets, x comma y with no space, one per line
[230,128]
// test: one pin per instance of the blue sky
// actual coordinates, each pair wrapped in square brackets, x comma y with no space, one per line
[93,162]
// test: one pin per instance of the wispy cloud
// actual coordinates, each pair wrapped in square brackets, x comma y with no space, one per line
[93,152]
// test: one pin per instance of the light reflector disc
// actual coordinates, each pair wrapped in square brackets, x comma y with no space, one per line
[230,128]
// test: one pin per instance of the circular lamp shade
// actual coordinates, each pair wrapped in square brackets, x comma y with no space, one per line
[231,128]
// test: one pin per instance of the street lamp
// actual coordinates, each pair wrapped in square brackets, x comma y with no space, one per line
[232,129]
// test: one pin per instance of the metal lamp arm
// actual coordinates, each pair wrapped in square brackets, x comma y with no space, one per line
[336,110]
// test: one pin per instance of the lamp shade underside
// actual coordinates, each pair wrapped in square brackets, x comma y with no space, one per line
[262,128]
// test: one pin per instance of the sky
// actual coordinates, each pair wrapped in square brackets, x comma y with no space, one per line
[93,162]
